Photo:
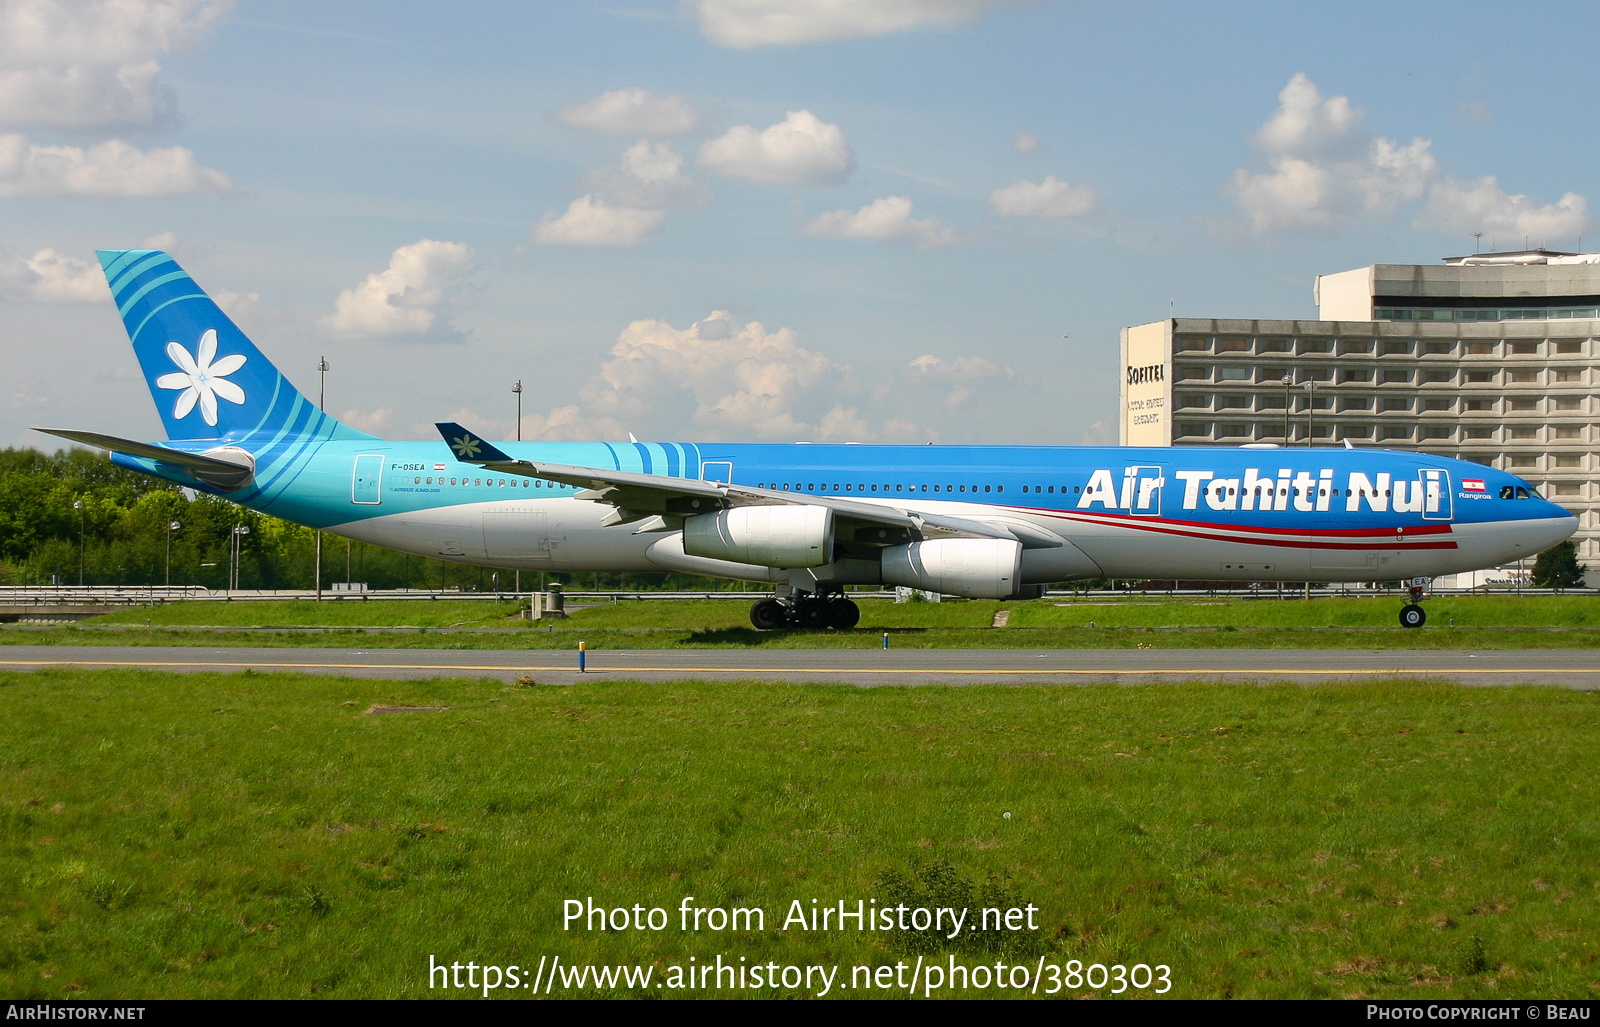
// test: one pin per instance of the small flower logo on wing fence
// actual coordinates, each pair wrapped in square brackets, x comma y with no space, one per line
[202,378]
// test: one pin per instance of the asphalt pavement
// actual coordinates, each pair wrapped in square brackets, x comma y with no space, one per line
[1568,668]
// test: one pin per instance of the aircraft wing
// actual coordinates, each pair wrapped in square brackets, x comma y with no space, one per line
[662,502]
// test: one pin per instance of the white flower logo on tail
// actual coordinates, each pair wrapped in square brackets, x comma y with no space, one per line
[203,378]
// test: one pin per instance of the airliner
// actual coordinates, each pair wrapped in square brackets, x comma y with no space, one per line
[978,521]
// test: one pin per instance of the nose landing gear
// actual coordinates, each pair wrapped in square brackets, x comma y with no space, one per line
[813,612]
[1412,615]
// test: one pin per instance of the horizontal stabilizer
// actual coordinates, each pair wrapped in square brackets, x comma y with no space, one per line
[468,447]
[229,472]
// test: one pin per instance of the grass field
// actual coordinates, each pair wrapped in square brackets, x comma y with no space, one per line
[263,835]
[1479,622]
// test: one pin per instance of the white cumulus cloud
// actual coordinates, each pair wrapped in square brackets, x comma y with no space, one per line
[92,64]
[109,170]
[52,277]
[719,379]
[1462,208]
[409,298]
[590,221]
[1024,141]
[963,376]
[883,220]
[1323,170]
[748,23]
[1051,198]
[634,112]
[801,149]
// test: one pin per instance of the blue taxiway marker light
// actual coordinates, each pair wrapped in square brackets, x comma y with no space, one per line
[886,640]
[583,648]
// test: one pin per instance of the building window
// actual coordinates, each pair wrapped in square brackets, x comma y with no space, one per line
[1194,400]
[1568,374]
[1390,377]
[1569,431]
[1192,345]
[1357,431]
[1569,402]
[1396,346]
[1356,346]
[1433,348]
[1235,374]
[1356,403]
[1478,405]
[1480,431]
[1233,403]
[1569,346]
[1191,429]
[1356,376]
[1523,404]
[1523,377]
[1438,431]
[1396,404]
[1195,372]
[1522,460]
[1524,348]
[1436,404]
[1480,349]
[1568,488]
[1569,459]
[1234,346]
[1273,346]
[1397,431]
[1314,345]
[1436,375]
[1233,431]
[1479,377]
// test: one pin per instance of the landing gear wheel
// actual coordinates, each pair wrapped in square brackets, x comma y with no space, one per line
[1411,616]
[843,614]
[767,614]
[812,614]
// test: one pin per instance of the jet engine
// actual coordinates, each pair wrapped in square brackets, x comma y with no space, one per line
[979,568]
[769,536]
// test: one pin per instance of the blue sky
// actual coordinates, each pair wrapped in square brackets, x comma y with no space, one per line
[902,220]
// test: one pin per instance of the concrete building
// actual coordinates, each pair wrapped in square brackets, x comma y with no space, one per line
[1493,358]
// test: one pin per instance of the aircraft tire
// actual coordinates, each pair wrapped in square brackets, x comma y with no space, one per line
[843,614]
[812,614]
[768,614]
[1412,616]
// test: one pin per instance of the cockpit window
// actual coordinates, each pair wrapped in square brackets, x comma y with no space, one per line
[1522,493]
[1506,492]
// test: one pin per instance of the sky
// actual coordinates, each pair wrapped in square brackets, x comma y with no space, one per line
[749,220]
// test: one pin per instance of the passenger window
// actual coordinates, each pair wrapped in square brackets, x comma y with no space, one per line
[986,488]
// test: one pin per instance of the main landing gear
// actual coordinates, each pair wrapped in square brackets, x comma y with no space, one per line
[805,611]
[1411,615]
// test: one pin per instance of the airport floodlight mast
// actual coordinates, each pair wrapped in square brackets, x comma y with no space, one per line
[1288,380]
[172,526]
[517,388]
[77,504]
[322,404]
[1311,411]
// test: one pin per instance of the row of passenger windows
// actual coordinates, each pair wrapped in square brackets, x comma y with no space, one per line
[489,482]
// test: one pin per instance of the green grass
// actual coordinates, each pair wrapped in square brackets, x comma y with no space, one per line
[1454,622]
[257,835]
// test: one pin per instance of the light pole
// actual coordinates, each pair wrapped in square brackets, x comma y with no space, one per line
[239,532]
[172,526]
[1287,381]
[77,504]
[517,388]
[1311,411]
[322,405]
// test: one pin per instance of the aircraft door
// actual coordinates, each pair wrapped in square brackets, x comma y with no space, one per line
[365,482]
[717,470]
[1142,488]
[1438,502]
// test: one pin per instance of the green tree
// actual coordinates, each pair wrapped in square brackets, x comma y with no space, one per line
[1558,567]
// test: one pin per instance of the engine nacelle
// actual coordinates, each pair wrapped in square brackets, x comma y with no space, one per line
[979,568]
[768,536]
